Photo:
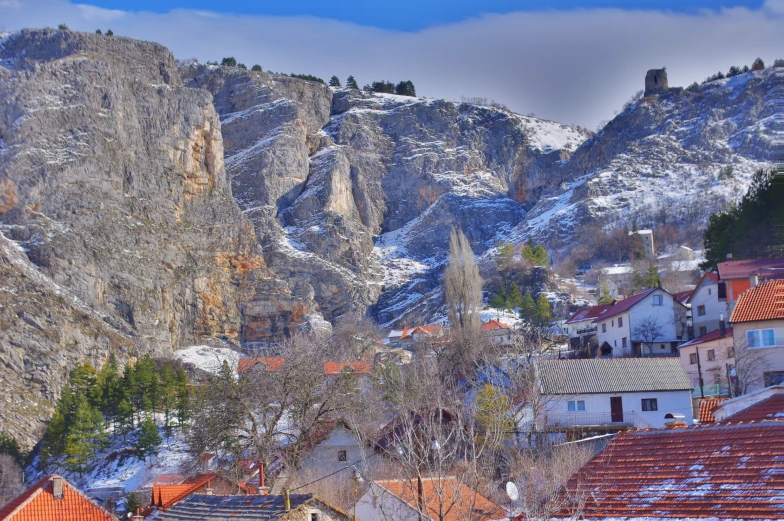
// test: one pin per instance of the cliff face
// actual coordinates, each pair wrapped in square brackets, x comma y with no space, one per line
[329,177]
[113,186]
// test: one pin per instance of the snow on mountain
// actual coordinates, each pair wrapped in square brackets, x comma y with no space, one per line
[208,358]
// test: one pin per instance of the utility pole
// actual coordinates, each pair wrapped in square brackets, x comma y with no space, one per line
[699,372]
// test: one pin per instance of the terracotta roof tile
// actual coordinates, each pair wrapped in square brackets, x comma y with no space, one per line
[458,500]
[706,409]
[358,367]
[430,330]
[683,296]
[271,363]
[764,302]
[493,324]
[771,408]
[166,496]
[37,503]
[718,471]
[741,269]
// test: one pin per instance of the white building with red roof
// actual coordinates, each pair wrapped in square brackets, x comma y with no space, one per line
[709,360]
[707,311]
[651,323]
[497,333]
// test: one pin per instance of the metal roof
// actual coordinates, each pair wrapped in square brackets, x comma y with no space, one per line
[203,507]
[612,375]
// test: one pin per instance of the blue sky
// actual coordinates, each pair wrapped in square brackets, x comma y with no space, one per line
[409,15]
[572,62]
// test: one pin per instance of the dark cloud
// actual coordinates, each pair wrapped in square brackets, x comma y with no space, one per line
[575,66]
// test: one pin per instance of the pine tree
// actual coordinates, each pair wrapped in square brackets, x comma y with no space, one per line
[604,293]
[229,61]
[334,81]
[9,445]
[498,300]
[79,447]
[405,88]
[528,308]
[543,315]
[652,277]
[256,68]
[124,419]
[149,440]
[351,83]
[181,386]
[109,33]
[535,254]
[514,298]
[98,31]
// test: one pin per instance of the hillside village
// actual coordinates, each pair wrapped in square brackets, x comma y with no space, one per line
[643,379]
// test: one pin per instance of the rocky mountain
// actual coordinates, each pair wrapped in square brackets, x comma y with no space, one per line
[147,205]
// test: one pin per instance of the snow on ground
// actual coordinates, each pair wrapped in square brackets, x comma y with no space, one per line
[510,318]
[549,136]
[208,358]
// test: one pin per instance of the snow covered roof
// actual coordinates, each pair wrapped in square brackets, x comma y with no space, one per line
[716,471]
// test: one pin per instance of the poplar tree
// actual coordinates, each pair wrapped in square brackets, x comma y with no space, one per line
[462,283]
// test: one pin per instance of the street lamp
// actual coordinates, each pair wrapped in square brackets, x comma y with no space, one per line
[356,477]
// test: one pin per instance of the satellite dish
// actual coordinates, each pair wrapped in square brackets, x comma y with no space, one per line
[511,491]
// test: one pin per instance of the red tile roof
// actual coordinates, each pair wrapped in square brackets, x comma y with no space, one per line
[624,305]
[771,408]
[764,302]
[430,330]
[271,363]
[358,367]
[493,324]
[589,313]
[717,471]
[166,496]
[37,503]
[709,337]
[706,409]
[459,501]
[741,269]
[683,296]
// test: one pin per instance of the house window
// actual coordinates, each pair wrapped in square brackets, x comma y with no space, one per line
[623,342]
[658,300]
[314,516]
[604,327]
[774,378]
[711,355]
[693,358]
[342,456]
[662,346]
[575,405]
[701,311]
[620,321]
[703,330]
[709,291]
[650,404]
[760,338]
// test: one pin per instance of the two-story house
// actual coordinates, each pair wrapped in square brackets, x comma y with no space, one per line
[651,323]
[709,360]
[758,333]
[706,309]
[414,338]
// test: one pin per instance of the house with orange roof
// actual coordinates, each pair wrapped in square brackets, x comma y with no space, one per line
[709,360]
[413,338]
[54,499]
[758,334]
[271,363]
[431,499]
[717,471]
[497,333]
[165,496]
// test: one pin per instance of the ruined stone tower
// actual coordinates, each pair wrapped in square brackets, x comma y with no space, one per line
[656,81]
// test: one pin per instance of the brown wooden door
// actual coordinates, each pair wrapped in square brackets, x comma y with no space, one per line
[616,409]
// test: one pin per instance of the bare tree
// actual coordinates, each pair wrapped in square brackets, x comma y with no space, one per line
[646,332]
[355,336]
[462,283]
[749,367]
[11,484]
[268,413]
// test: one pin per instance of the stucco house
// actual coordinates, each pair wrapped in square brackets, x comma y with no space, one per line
[651,323]
[635,392]
[758,334]
[709,360]
[497,333]
[706,309]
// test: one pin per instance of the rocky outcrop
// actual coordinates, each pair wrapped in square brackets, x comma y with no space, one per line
[112,184]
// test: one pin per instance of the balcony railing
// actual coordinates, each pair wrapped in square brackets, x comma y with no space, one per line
[586,330]
[576,419]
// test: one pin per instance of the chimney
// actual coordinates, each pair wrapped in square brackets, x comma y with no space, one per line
[286,500]
[209,491]
[754,280]
[138,516]
[729,256]
[57,487]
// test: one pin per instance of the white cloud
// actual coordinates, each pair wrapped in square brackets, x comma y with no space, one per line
[573,66]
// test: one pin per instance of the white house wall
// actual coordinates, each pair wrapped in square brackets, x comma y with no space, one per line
[707,294]
[676,402]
